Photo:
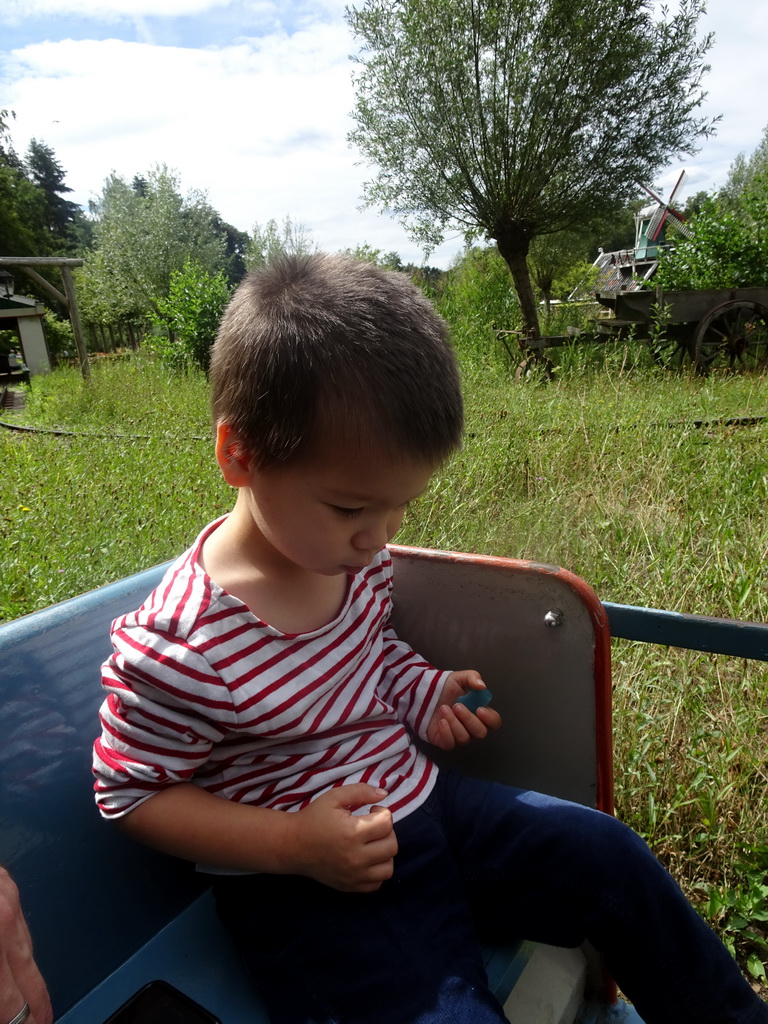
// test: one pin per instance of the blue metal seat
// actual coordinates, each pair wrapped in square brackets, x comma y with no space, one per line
[108,915]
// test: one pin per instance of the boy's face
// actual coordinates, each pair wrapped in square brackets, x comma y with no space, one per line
[333,513]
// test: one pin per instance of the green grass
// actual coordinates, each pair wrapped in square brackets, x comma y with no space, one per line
[609,476]
[602,471]
[127,491]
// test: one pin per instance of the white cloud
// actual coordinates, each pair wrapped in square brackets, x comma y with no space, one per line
[737,86]
[15,10]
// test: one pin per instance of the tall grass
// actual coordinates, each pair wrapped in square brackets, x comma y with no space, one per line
[603,471]
[127,489]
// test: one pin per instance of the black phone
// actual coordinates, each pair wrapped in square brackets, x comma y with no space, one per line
[161,1003]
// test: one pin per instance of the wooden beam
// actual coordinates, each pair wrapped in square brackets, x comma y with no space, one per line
[74,316]
[46,285]
[39,261]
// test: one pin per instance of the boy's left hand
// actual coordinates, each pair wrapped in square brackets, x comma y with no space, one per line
[453,724]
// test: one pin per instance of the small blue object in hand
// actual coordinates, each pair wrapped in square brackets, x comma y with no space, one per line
[476,699]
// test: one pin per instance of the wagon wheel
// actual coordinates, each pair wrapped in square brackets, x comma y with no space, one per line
[733,336]
[673,349]
[535,367]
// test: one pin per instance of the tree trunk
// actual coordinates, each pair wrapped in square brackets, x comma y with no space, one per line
[514,251]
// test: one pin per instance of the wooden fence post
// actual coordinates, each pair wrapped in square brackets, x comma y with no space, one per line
[74,317]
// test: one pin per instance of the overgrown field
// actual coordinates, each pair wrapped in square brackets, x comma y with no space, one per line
[604,471]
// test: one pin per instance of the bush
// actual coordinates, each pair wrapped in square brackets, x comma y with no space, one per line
[728,249]
[59,335]
[189,318]
[478,298]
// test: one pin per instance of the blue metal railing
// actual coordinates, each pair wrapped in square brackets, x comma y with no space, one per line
[693,632]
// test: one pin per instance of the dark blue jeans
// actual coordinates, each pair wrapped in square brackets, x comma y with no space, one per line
[521,863]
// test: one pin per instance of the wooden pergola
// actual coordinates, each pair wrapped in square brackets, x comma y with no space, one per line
[68,299]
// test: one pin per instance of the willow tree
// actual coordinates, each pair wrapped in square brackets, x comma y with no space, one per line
[143,233]
[518,118]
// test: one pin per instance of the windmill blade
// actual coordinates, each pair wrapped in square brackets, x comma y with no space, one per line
[678,185]
[657,223]
[651,193]
[681,225]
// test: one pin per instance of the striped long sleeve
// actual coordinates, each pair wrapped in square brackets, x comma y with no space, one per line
[199,689]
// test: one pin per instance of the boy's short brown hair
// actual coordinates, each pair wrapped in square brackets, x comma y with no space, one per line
[328,347]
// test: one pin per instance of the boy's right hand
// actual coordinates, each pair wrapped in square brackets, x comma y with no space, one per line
[346,851]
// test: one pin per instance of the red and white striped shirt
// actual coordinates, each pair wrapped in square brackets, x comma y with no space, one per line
[202,690]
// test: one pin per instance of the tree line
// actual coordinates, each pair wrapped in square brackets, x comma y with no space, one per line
[36,218]
[159,264]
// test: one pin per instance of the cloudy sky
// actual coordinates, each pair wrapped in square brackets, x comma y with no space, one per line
[249,101]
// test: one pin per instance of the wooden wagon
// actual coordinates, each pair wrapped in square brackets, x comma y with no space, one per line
[710,329]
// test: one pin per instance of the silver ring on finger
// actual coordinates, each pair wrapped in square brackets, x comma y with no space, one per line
[21,1016]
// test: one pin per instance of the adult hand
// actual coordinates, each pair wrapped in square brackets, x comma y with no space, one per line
[20,981]
[346,851]
[453,724]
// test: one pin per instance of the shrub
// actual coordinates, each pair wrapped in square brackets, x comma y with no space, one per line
[189,318]
[729,246]
[59,335]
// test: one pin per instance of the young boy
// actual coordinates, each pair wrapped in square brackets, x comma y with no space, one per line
[261,709]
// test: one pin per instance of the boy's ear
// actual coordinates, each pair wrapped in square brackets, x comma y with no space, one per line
[231,457]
